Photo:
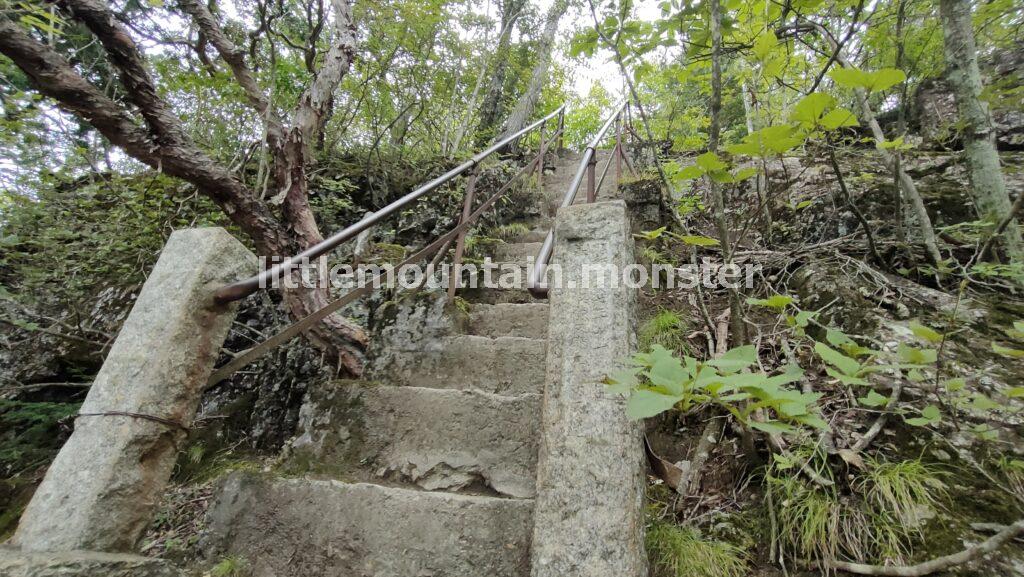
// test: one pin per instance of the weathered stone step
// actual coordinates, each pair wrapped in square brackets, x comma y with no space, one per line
[493,296]
[505,365]
[436,439]
[516,252]
[509,320]
[318,528]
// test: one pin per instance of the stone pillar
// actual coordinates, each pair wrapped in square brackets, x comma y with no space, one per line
[588,514]
[100,491]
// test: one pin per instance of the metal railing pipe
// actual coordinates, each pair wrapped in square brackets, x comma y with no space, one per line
[534,284]
[244,288]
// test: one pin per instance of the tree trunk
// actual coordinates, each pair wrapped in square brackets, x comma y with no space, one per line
[737,327]
[528,101]
[490,110]
[962,73]
[160,141]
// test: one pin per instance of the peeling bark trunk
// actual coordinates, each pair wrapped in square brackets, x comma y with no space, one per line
[986,176]
[160,141]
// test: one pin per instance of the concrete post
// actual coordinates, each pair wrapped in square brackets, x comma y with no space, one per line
[100,491]
[588,514]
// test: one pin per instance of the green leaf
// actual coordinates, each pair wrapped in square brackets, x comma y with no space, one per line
[850,77]
[954,385]
[839,118]
[623,381]
[886,78]
[643,404]
[668,373]
[771,427]
[811,108]
[688,173]
[1015,392]
[765,44]
[735,359]
[926,333]
[652,234]
[915,356]
[710,162]
[1007,352]
[777,302]
[840,361]
[698,240]
[873,399]
[845,379]
[930,415]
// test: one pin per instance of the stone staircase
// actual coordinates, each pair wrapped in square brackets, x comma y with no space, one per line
[429,472]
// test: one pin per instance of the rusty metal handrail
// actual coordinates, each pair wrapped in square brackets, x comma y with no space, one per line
[587,167]
[244,288]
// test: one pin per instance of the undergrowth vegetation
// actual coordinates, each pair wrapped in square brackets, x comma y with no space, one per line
[676,551]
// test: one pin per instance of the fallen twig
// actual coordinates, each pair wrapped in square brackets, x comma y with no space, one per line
[939,563]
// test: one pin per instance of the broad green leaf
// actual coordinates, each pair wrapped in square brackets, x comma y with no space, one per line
[735,359]
[837,359]
[688,173]
[652,234]
[1007,352]
[771,427]
[812,420]
[885,78]
[850,77]
[698,240]
[845,379]
[982,403]
[873,399]
[1015,392]
[954,385]
[668,373]
[915,356]
[926,333]
[811,108]
[778,302]
[710,162]
[839,118]
[743,174]
[930,415]
[622,381]
[765,44]
[643,404]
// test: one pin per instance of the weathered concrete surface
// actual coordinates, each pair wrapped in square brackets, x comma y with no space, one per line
[504,365]
[437,439]
[14,563]
[509,320]
[588,518]
[307,528]
[100,491]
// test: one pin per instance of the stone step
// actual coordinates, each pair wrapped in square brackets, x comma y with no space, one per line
[494,296]
[504,365]
[516,252]
[509,320]
[320,528]
[536,235]
[436,439]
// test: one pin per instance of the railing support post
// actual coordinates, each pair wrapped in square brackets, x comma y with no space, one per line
[592,178]
[102,489]
[460,244]
[540,161]
[618,149]
[561,132]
